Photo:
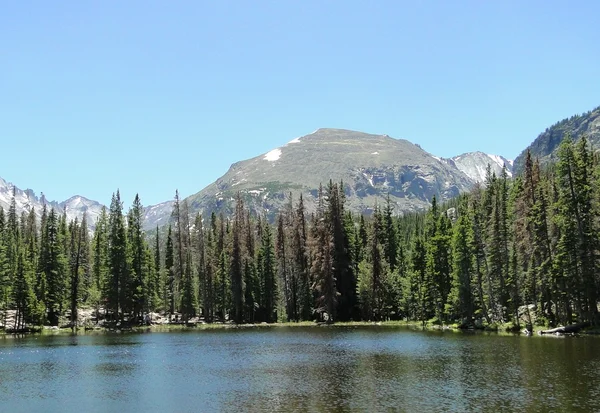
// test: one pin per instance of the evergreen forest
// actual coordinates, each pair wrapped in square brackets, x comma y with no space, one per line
[513,249]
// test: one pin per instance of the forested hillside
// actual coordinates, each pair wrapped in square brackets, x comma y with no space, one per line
[545,146]
[511,250]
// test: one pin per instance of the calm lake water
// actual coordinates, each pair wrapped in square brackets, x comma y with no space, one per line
[299,369]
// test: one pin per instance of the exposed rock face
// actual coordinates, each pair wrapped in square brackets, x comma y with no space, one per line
[157,215]
[474,165]
[371,167]
[77,205]
[544,147]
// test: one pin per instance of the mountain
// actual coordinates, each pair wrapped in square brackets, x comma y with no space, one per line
[74,207]
[371,167]
[77,205]
[544,147]
[474,165]
[157,215]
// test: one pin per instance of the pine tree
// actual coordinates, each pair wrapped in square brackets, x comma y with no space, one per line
[345,279]
[252,290]
[78,257]
[158,286]
[189,288]
[222,271]
[236,265]
[5,269]
[422,303]
[322,264]
[137,288]
[204,289]
[53,264]
[477,226]
[169,268]
[377,272]
[99,262]
[438,265]
[283,268]
[391,240]
[26,304]
[85,262]
[179,250]
[267,275]
[300,252]
[462,295]
[212,258]
[118,271]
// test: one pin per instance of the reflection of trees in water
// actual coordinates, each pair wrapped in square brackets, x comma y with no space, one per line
[322,381]
[330,369]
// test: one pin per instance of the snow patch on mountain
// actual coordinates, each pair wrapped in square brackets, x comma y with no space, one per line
[273,155]
[499,160]
[369,178]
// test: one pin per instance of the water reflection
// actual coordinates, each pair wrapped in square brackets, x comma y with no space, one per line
[300,369]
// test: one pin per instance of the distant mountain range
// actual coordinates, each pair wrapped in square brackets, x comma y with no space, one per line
[74,207]
[372,168]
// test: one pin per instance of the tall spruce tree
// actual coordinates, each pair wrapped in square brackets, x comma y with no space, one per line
[118,269]
[268,275]
[345,279]
[170,274]
[235,264]
[54,265]
[138,292]
[462,271]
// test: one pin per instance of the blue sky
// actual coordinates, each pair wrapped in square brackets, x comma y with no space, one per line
[152,96]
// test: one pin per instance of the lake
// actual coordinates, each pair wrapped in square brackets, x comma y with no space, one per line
[299,369]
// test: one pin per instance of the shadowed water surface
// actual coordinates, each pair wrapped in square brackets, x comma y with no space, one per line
[299,369]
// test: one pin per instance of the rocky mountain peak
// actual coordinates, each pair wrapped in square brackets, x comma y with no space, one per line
[475,164]
[371,167]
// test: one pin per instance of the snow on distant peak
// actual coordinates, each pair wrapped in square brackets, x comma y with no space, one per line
[297,140]
[475,164]
[502,162]
[497,159]
[437,158]
[375,153]
[273,155]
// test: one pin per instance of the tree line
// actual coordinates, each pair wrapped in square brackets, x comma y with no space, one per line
[510,250]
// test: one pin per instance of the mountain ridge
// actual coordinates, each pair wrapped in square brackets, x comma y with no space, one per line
[546,144]
[372,166]
[74,207]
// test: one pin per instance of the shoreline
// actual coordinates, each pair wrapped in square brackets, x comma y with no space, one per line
[200,326]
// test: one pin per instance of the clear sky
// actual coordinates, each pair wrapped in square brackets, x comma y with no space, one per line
[150,96]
